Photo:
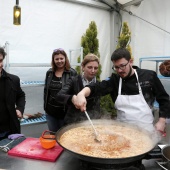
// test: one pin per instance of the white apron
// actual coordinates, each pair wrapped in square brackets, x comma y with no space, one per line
[134,109]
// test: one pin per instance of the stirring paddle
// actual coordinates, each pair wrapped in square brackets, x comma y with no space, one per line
[95,132]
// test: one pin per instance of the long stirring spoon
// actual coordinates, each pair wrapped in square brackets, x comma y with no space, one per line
[95,132]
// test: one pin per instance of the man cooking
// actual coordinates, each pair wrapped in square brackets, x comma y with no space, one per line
[133,90]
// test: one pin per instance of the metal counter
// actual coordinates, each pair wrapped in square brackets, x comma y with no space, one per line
[64,162]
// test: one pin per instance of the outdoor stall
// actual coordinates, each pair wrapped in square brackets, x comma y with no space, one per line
[49,24]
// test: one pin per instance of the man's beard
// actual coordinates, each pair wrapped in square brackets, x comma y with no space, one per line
[129,74]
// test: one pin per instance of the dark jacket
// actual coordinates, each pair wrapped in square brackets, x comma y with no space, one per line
[49,75]
[15,99]
[152,89]
[73,115]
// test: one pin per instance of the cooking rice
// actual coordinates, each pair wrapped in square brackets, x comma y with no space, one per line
[117,141]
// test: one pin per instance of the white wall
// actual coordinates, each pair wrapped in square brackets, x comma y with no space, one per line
[47,25]
[148,40]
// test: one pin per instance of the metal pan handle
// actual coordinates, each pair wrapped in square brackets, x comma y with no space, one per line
[161,164]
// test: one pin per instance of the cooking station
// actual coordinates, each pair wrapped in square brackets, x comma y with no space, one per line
[68,161]
[64,162]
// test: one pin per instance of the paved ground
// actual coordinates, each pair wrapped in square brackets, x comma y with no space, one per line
[34,99]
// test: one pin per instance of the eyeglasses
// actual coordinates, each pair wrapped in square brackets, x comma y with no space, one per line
[122,67]
[58,49]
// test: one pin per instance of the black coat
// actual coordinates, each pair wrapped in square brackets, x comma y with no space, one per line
[15,100]
[49,75]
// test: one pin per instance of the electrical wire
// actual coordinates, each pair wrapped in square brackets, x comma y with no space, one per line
[111,7]
[130,13]
[117,7]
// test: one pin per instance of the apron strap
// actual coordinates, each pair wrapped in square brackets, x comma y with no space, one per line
[140,90]
[120,84]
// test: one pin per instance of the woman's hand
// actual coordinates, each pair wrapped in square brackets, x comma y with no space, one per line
[79,101]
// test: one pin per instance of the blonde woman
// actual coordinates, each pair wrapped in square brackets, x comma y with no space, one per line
[89,67]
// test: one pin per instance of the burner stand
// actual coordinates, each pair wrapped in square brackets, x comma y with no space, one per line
[136,165]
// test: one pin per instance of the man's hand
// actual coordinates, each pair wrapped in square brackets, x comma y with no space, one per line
[19,114]
[160,126]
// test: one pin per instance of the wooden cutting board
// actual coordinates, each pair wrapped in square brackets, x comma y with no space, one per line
[31,148]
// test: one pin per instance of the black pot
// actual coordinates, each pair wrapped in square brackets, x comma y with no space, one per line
[96,159]
[165,163]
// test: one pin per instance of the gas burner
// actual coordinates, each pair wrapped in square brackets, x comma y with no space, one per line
[137,165]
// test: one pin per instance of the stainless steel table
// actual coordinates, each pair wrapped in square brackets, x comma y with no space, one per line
[64,162]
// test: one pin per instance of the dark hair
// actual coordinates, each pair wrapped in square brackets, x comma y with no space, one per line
[89,58]
[120,53]
[57,52]
[2,51]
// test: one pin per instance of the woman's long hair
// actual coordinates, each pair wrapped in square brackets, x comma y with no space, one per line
[57,52]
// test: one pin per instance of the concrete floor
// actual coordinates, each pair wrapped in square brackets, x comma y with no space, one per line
[34,130]
[34,99]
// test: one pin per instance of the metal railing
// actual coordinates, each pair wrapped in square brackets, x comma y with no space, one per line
[8,65]
[157,60]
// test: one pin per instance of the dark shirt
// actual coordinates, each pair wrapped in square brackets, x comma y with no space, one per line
[152,89]
[53,107]
[4,114]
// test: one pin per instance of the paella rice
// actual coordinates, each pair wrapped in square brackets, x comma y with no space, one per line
[116,141]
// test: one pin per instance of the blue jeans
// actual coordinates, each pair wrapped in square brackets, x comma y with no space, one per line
[53,123]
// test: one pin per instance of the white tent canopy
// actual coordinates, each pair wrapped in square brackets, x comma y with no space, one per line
[50,24]
[150,27]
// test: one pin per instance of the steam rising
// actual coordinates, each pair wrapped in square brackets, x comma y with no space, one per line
[150,131]
[115,136]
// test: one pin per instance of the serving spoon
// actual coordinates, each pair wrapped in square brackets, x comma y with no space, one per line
[95,132]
